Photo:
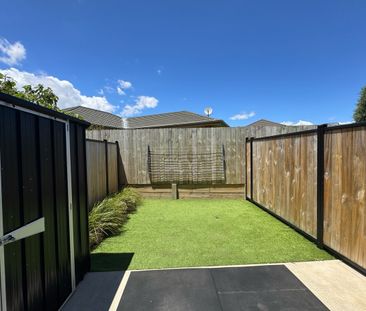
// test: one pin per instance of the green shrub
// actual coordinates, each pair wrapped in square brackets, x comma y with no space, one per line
[131,197]
[107,217]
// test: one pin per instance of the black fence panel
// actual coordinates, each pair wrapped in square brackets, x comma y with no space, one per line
[34,187]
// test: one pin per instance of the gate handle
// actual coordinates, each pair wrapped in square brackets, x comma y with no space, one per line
[26,231]
[6,239]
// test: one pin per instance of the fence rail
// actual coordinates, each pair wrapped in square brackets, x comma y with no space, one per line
[316,182]
[102,169]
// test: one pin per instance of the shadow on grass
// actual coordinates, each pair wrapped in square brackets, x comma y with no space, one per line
[101,262]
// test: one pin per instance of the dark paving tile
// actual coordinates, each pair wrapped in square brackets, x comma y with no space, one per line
[289,300]
[170,290]
[257,278]
[95,292]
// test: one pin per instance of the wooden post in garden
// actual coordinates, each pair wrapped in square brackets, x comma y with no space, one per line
[175,195]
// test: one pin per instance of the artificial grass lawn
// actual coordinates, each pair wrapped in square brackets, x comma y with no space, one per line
[186,233]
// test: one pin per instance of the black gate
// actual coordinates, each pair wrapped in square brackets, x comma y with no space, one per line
[43,210]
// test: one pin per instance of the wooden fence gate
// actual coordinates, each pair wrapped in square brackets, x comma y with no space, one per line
[44,249]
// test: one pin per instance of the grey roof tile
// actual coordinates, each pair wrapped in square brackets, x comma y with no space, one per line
[97,117]
[170,119]
[183,118]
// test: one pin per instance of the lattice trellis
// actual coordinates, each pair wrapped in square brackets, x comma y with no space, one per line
[168,166]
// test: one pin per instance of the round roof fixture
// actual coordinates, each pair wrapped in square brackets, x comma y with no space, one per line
[208,111]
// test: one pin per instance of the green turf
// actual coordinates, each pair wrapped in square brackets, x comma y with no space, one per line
[186,233]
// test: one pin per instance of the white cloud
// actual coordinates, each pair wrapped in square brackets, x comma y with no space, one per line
[120,91]
[346,122]
[68,95]
[300,122]
[243,116]
[141,103]
[11,54]
[122,86]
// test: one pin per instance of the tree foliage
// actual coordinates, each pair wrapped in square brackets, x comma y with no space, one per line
[360,112]
[38,94]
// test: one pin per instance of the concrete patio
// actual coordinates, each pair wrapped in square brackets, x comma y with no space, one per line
[318,285]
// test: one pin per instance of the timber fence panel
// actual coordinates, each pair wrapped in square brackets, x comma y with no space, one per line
[315,181]
[133,145]
[102,170]
[345,192]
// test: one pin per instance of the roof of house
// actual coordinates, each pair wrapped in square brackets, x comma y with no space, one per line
[170,119]
[97,117]
[173,119]
[263,122]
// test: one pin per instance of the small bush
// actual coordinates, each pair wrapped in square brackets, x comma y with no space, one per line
[107,217]
[131,197]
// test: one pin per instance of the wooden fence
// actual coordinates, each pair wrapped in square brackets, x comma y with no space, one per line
[316,182]
[102,169]
[191,142]
[44,238]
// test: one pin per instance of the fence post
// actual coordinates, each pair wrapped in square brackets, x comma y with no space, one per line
[246,169]
[118,167]
[106,165]
[149,162]
[251,168]
[320,185]
[224,161]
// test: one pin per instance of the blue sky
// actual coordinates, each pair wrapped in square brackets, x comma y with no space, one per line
[278,60]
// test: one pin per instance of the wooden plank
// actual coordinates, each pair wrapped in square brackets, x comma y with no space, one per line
[112,168]
[344,193]
[96,171]
[285,179]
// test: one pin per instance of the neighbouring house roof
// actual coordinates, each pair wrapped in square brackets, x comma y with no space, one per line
[97,117]
[263,122]
[170,119]
[174,119]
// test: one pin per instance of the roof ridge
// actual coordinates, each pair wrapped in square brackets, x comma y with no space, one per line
[174,112]
[163,113]
[98,110]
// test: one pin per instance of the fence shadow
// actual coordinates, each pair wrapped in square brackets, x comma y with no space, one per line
[102,262]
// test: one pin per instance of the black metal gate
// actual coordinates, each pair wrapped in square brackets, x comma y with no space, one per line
[43,224]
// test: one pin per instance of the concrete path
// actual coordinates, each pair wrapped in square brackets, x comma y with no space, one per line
[320,285]
[337,285]
[95,292]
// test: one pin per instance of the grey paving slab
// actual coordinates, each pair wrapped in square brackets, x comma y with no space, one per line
[170,290]
[271,301]
[262,288]
[271,277]
[95,292]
